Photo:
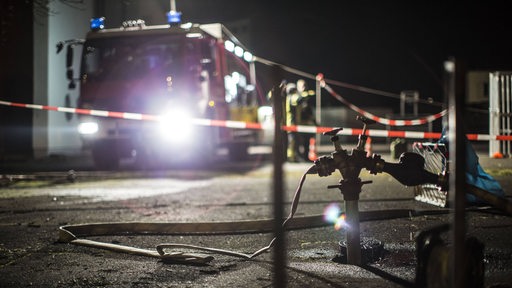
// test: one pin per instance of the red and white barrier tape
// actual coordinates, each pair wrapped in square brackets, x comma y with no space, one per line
[258,126]
[378,119]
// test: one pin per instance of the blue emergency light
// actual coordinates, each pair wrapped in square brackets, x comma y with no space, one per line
[97,23]
[173,17]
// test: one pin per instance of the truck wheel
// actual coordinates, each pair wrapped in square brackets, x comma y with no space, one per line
[149,160]
[105,157]
[239,151]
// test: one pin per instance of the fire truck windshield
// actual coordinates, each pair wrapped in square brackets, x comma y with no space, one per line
[126,58]
[138,73]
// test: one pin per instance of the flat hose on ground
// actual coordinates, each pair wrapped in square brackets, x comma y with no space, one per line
[71,233]
[498,202]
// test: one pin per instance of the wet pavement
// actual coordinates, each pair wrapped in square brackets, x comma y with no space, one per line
[31,212]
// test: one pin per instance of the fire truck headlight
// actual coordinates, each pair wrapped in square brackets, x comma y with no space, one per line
[176,126]
[88,128]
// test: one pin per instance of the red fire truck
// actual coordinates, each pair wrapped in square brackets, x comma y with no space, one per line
[177,71]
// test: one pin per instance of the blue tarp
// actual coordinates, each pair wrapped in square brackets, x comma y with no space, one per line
[475,174]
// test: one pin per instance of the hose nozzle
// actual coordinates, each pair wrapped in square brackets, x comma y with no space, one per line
[410,170]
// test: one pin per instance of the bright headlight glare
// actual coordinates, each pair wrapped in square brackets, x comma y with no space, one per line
[176,126]
[88,128]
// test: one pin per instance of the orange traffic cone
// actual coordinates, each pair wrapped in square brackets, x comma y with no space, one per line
[312,149]
[368,147]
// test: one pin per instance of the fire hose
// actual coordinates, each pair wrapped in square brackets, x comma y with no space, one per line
[71,233]
[409,171]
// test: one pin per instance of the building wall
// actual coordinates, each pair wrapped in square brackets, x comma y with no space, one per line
[55,132]
[477,89]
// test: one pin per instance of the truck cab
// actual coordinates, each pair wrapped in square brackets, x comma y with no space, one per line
[165,79]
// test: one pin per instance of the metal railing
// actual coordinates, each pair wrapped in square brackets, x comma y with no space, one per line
[500,102]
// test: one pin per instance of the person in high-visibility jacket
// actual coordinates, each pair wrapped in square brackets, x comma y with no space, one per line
[292,118]
[305,116]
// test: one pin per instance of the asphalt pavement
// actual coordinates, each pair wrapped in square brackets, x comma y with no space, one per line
[32,253]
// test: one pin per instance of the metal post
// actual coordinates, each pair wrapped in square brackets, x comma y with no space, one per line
[430,129]
[318,110]
[502,111]
[457,149]
[494,124]
[409,96]
[403,98]
[279,250]
[353,232]
[350,189]
[416,100]
[508,101]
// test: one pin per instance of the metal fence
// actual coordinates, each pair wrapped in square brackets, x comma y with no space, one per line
[500,88]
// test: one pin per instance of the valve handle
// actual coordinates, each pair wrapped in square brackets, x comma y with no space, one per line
[334,138]
[362,136]
[333,132]
[365,120]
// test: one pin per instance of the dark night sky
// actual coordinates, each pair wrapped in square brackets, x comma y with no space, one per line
[386,45]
